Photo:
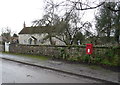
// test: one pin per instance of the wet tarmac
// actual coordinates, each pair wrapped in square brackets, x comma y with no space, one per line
[13,72]
[0,71]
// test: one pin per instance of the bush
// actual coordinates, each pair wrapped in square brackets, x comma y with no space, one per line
[104,55]
[63,54]
[111,57]
[86,58]
[116,61]
[96,60]
[106,62]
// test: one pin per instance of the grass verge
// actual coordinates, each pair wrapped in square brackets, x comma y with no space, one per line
[28,55]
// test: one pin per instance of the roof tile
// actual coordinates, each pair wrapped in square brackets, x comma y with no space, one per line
[38,30]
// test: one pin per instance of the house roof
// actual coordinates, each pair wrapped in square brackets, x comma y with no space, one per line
[38,30]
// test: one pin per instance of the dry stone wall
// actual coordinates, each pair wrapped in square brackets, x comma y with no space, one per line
[57,51]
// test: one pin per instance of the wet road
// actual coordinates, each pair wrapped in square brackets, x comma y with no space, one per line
[13,72]
[0,71]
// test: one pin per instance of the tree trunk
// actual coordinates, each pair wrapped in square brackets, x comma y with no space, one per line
[117,34]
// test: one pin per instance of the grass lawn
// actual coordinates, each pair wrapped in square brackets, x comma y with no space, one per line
[28,55]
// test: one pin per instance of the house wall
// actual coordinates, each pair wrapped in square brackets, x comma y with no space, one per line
[24,39]
[57,41]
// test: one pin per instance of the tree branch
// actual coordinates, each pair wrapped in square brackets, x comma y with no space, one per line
[61,40]
[81,8]
[113,9]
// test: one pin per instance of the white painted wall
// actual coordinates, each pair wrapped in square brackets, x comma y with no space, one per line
[24,39]
[58,42]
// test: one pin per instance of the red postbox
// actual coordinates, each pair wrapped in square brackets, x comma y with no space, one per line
[89,49]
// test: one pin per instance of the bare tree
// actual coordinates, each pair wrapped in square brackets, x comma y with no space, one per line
[115,9]
[68,24]
[6,34]
[84,5]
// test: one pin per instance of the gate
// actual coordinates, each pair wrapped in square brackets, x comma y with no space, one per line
[7,46]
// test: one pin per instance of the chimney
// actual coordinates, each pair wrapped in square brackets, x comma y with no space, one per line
[24,25]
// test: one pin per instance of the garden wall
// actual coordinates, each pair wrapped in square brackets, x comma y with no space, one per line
[45,50]
[76,53]
[1,48]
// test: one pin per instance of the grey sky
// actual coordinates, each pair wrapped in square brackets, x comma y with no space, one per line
[13,13]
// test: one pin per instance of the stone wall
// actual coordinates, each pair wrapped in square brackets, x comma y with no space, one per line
[1,47]
[45,50]
[56,51]
[109,56]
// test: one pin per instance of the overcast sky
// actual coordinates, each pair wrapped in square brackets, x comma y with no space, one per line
[13,13]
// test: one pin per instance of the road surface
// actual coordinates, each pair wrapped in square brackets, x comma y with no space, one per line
[0,71]
[13,72]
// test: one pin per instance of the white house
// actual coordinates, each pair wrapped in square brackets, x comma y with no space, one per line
[38,36]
